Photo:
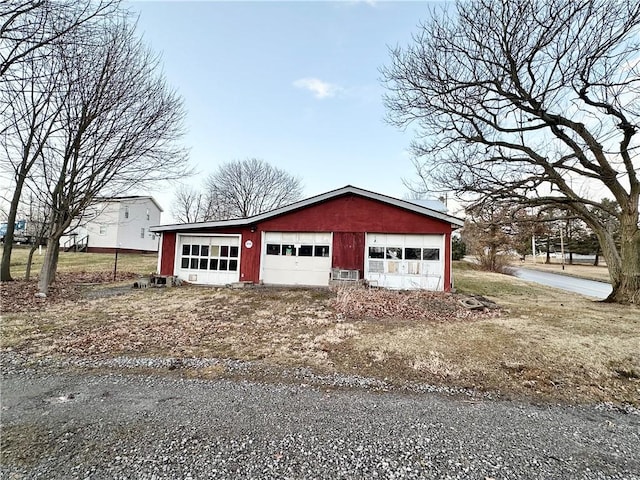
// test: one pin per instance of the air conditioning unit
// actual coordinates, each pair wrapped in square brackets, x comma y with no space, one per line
[345,275]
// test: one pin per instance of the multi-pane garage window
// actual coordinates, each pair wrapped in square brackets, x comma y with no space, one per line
[390,259]
[426,254]
[291,250]
[209,257]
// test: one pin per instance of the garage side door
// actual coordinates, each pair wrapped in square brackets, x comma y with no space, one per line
[405,261]
[208,259]
[290,258]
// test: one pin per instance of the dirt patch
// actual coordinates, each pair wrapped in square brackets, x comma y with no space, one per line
[418,304]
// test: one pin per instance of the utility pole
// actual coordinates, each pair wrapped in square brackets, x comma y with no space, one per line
[562,247]
[533,247]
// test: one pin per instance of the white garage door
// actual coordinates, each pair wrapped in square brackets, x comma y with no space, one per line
[290,258]
[208,259]
[405,261]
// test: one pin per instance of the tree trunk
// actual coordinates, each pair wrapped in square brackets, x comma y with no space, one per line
[625,274]
[49,265]
[32,250]
[570,258]
[548,260]
[5,267]
[595,262]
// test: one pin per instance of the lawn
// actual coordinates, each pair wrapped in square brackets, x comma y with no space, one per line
[541,343]
[82,262]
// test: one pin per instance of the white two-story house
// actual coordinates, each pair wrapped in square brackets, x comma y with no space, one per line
[117,223]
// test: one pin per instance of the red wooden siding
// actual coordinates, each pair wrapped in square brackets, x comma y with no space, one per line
[348,251]
[354,214]
[168,253]
[250,257]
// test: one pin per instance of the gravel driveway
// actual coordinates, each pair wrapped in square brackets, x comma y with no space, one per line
[70,423]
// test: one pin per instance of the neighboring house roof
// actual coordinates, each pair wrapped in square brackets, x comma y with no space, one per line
[349,189]
[131,197]
[430,203]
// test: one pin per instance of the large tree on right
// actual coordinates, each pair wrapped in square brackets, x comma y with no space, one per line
[531,101]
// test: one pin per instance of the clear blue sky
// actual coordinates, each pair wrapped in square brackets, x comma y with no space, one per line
[294,83]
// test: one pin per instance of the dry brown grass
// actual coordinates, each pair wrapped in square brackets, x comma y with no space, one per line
[544,344]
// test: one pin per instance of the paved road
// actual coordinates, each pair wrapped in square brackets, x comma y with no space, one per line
[589,288]
[65,425]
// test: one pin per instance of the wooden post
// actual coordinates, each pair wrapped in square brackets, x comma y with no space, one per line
[115,265]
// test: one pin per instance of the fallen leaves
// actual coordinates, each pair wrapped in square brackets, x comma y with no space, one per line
[20,295]
[359,303]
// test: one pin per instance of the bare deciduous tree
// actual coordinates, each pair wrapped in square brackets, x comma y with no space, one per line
[32,105]
[28,25]
[243,188]
[532,101]
[108,123]
[191,206]
[29,79]
[119,129]
[490,235]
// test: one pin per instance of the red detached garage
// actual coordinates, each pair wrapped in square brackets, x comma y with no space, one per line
[346,233]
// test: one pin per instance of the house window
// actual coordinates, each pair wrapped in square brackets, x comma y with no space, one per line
[103,229]
[148,217]
[305,251]
[376,252]
[142,233]
[126,212]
